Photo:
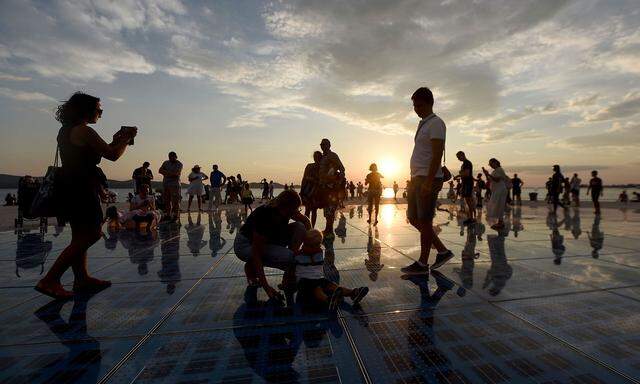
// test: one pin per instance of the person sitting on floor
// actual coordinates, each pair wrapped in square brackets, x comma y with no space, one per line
[142,209]
[312,283]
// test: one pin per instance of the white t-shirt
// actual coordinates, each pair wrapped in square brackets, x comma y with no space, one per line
[432,128]
[575,183]
[137,199]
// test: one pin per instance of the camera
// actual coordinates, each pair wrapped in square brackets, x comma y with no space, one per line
[126,130]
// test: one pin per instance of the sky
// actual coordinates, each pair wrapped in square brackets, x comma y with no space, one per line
[255,85]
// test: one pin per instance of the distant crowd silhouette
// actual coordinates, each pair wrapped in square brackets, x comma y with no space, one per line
[275,234]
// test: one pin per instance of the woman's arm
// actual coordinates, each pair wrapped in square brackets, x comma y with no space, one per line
[204,177]
[84,135]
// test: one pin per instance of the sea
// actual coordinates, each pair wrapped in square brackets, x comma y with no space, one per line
[610,194]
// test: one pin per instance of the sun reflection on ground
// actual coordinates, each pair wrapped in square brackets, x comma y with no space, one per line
[387,214]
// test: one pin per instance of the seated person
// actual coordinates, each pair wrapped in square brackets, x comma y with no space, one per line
[312,283]
[623,198]
[142,209]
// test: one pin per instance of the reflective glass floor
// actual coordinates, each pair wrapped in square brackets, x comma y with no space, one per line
[548,300]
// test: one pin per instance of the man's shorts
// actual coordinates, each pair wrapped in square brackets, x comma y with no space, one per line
[422,208]
[517,191]
[172,191]
[275,256]
[467,189]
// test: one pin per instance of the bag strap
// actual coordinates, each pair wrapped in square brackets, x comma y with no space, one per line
[444,150]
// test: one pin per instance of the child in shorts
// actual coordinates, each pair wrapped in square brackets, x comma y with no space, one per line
[312,283]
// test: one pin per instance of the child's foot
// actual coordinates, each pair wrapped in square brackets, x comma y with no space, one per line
[359,294]
[335,299]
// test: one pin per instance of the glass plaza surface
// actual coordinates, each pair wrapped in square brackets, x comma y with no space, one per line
[551,300]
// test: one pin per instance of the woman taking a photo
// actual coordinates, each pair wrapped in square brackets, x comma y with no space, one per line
[495,208]
[78,186]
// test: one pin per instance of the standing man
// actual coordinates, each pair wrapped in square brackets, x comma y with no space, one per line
[142,176]
[270,189]
[466,189]
[171,170]
[574,184]
[517,184]
[557,180]
[332,174]
[396,188]
[596,188]
[426,181]
[218,179]
[480,185]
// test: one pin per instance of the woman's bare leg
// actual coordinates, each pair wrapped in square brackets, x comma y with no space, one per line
[189,203]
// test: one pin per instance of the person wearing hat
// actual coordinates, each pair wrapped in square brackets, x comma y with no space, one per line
[142,176]
[196,187]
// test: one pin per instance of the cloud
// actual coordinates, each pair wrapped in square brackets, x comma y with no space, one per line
[619,137]
[116,99]
[73,40]
[628,107]
[10,77]
[25,96]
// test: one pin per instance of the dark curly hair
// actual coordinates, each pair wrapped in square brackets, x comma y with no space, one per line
[79,106]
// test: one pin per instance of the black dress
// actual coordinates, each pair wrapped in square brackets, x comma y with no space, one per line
[79,183]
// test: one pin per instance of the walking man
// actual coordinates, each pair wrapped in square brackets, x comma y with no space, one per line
[396,188]
[171,170]
[426,181]
[596,188]
[516,185]
[217,179]
[466,189]
[142,176]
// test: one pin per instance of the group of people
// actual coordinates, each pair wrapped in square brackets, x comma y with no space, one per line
[562,191]
[275,234]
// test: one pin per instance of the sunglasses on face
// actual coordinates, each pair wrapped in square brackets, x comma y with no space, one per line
[99,112]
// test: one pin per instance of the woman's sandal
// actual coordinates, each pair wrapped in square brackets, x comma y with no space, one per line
[56,291]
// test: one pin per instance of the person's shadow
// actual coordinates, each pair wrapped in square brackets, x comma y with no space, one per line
[500,271]
[84,350]
[596,237]
[269,351]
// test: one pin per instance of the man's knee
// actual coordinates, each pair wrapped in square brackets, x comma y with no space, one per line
[297,230]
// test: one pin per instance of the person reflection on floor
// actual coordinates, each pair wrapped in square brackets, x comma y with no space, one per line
[85,356]
[195,233]
[575,223]
[596,237]
[360,211]
[216,242]
[142,248]
[469,255]
[517,220]
[169,274]
[557,240]
[374,252]
[500,271]
[341,229]
[272,355]
[352,212]
[234,220]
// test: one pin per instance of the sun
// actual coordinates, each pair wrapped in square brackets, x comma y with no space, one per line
[389,168]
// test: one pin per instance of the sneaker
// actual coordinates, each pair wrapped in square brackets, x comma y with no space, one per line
[359,294]
[442,258]
[335,299]
[415,269]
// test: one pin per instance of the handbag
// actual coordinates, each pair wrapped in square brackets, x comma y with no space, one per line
[45,202]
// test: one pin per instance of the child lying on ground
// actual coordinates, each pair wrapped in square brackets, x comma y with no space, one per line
[310,275]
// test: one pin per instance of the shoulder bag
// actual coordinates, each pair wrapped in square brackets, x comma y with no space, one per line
[45,202]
